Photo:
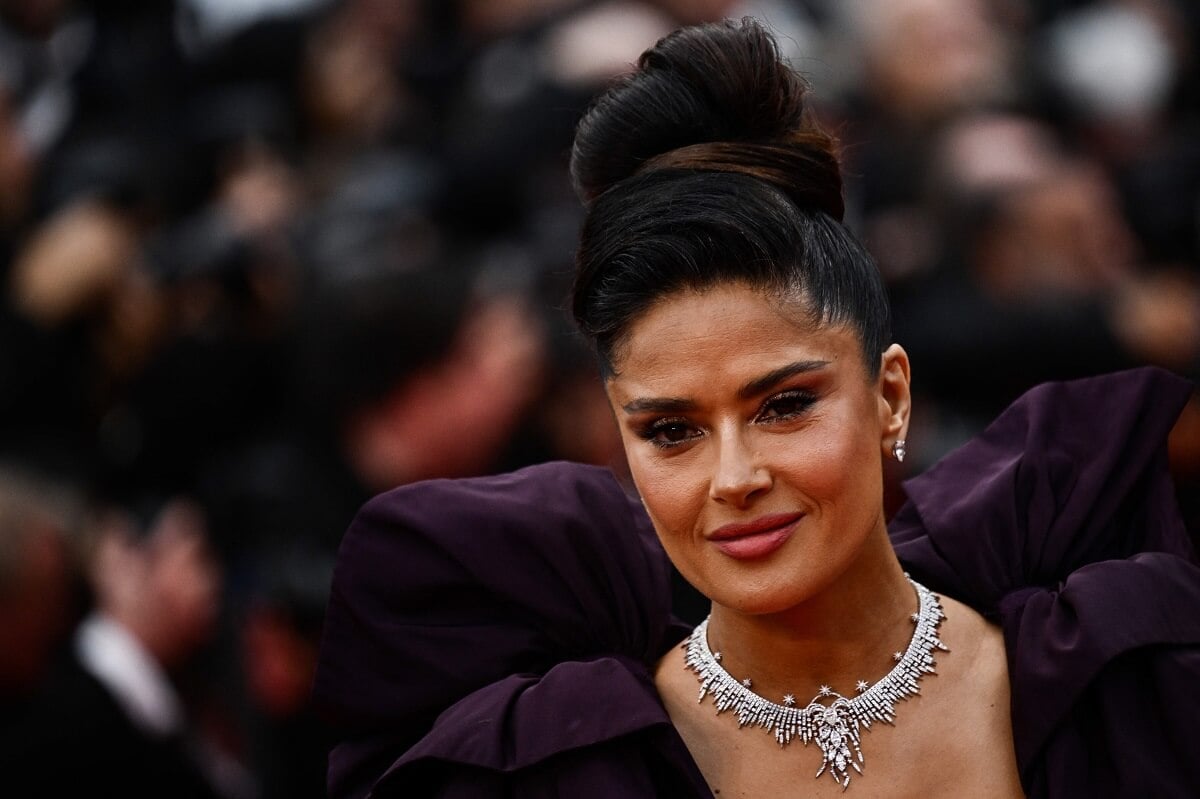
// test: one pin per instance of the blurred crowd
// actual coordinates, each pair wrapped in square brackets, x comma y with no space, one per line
[260,260]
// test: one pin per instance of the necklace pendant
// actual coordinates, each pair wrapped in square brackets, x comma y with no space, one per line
[836,735]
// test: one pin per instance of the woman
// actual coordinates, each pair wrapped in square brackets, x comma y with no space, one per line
[511,636]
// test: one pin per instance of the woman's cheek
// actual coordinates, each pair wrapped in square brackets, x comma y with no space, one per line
[673,494]
[851,479]
[813,464]
[663,493]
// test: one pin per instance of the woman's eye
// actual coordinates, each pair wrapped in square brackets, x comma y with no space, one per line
[668,432]
[786,406]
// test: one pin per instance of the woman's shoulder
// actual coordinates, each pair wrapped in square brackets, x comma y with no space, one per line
[1060,524]
[478,622]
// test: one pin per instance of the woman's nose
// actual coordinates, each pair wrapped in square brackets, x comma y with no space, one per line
[738,477]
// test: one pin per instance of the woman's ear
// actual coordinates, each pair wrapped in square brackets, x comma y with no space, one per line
[895,399]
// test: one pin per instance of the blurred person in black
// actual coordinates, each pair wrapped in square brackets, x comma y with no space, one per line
[108,719]
[79,320]
[81,314]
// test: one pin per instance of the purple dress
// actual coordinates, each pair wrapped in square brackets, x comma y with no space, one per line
[495,637]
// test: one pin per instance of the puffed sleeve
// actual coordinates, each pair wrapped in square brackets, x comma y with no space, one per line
[492,623]
[1060,523]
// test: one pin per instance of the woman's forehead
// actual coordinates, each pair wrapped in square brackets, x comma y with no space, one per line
[721,330]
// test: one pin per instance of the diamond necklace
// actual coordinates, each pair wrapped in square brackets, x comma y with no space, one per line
[834,726]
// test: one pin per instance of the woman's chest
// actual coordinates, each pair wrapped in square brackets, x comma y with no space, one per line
[967,756]
[953,739]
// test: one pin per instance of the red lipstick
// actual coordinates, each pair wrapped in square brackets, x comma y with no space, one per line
[755,539]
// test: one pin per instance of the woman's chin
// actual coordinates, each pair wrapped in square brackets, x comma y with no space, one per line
[761,602]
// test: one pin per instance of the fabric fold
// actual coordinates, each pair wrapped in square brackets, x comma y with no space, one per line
[450,587]
[1059,522]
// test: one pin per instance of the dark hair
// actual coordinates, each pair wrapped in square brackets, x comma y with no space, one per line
[703,167]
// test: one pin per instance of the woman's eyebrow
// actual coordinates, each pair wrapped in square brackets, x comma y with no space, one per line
[768,381]
[756,386]
[659,405]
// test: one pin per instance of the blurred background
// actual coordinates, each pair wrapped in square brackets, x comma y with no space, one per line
[261,259]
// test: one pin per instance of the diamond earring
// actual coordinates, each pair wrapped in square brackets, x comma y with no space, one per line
[899,450]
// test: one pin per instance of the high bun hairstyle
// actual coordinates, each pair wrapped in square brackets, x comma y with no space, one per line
[702,168]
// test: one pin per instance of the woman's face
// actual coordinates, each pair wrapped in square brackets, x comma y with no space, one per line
[755,439]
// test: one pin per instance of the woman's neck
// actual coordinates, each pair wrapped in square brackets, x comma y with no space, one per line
[845,633]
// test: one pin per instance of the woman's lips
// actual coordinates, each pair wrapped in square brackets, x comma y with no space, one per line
[756,539]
